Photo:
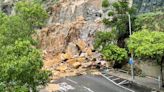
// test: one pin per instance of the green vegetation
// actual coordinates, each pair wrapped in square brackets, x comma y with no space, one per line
[111,44]
[149,44]
[105,43]
[14,27]
[119,20]
[43,1]
[32,13]
[105,3]
[2,18]
[102,39]
[153,21]
[20,66]
[114,53]
[21,62]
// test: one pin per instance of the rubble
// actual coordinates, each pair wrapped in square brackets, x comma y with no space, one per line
[50,88]
[62,68]
[67,40]
[76,65]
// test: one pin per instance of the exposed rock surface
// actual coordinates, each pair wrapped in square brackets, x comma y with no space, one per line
[67,41]
[69,10]
[149,5]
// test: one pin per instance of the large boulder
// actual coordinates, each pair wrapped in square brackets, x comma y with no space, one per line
[62,68]
[72,49]
[76,65]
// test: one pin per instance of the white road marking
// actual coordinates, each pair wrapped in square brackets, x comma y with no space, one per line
[64,87]
[88,89]
[111,76]
[116,79]
[122,82]
[72,81]
[117,84]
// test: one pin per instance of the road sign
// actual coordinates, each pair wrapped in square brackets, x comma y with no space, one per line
[131,61]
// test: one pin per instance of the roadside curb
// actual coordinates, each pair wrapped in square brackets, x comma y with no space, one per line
[126,77]
[140,84]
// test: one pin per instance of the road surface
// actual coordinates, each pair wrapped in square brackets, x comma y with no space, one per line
[88,83]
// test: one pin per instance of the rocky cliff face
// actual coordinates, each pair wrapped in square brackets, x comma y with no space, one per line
[69,10]
[67,40]
[70,21]
[148,5]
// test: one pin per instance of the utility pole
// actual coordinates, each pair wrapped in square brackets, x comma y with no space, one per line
[130,31]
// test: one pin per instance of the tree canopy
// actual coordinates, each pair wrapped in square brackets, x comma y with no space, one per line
[31,12]
[118,19]
[147,43]
[21,62]
[153,21]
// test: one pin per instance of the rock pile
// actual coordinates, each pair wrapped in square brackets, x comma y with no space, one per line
[67,48]
[67,41]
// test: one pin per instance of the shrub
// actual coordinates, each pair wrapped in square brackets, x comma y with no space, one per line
[110,13]
[103,39]
[105,3]
[114,53]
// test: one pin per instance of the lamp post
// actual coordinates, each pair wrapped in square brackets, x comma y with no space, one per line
[130,32]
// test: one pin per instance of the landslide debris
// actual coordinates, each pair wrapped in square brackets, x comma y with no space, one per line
[67,40]
[65,51]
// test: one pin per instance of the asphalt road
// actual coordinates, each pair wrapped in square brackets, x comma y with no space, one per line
[88,83]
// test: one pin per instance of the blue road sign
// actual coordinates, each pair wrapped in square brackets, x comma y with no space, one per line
[131,61]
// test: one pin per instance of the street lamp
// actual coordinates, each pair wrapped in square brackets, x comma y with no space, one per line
[130,32]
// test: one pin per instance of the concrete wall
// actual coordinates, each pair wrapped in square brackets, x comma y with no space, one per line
[149,68]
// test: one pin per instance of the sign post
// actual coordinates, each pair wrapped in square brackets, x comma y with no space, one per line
[131,59]
[131,62]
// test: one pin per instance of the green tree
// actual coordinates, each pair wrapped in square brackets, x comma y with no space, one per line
[2,18]
[153,21]
[31,12]
[118,20]
[148,44]
[21,62]
[15,28]
[102,39]
[20,66]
